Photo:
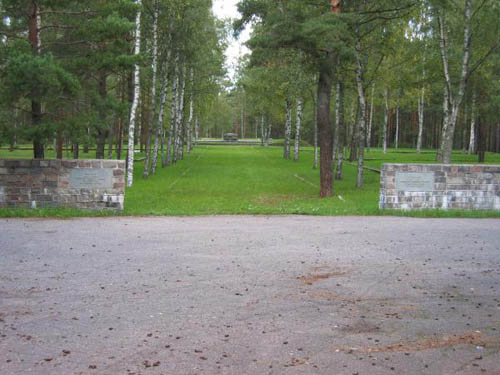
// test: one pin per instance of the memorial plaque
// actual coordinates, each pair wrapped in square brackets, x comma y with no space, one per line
[91,179]
[415,181]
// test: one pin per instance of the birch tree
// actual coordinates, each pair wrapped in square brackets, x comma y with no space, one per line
[298,125]
[452,100]
[153,112]
[137,90]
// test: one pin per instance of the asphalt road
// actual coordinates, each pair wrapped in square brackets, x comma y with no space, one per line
[250,295]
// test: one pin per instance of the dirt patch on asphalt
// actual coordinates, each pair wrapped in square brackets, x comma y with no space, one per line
[473,338]
[321,273]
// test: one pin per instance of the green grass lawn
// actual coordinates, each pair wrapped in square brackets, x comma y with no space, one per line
[256,180]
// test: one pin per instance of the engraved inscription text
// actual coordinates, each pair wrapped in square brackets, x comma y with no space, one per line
[91,179]
[415,182]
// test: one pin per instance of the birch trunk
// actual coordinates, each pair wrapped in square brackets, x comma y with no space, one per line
[137,89]
[197,132]
[159,120]
[452,103]
[173,112]
[472,141]
[180,118]
[370,123]
[421,107]
[152,110]
[340,127]
[362,114]
[300,104]
[386,121]
[191,113]
[288,129]
[262,132]
[268,134]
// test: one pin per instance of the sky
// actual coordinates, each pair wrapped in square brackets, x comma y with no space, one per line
[227,9]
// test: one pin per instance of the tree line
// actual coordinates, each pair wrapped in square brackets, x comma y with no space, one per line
[107,74]
[365,73]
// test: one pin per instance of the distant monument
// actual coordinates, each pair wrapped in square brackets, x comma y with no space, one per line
[231,137]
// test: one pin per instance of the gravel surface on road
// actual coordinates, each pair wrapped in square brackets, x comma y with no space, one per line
[250,295]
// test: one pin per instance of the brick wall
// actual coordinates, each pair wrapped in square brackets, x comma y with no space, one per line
[431,186]
[86,184]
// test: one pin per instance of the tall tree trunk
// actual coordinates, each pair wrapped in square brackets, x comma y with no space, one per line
[111,138]
[288,128]
[197,131]
[355,134]
[315,120]
[370,122]
[396,138]
[421,112]
[421,104]
[497,141]
[76,151]
[300,104]
[34,25]
[481,139]
[180,117]
[59,145]
[362,114]
[339,117]
[86,146]
[386,121]
[152,110]
[137,90]
[268,134]
[102,128]
[189,125]
[119,144]
[262,131]
[173,112]
[325,131]
[159,120]
[472,140]
[452,105]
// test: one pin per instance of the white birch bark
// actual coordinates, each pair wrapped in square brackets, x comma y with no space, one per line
[268,134]
[159,120]
[472,141]
[421,108]
[197,132]
[152,109]
[191,113]
[298,125]
[137,91]
[288,129]
[452,105]
[421,105]
[386,121]
[370,123]
[262,131]
[362,114]
[173,112]
[340,127]
[180,118]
